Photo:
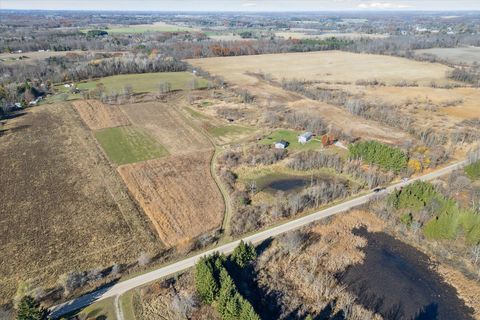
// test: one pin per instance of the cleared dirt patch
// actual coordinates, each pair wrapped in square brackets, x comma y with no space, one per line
[99,116]
[168,126]
[63,208]
[178,194]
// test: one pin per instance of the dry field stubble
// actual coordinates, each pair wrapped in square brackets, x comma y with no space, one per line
[63,208]
[465,100]
[323,65]
[100,116]
[178,194]
[164,122]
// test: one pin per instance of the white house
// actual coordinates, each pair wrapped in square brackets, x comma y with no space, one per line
[305,137]
[282,144]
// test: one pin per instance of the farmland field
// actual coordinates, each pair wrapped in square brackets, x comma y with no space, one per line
[178,194]
[32,56]
[154,27]
[304,35]
[467,55]
[100,116]
[163,122]
[142,83]
[69,209]
[128,144]
[323,65]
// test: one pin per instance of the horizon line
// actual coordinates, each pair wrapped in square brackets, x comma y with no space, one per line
[251,11]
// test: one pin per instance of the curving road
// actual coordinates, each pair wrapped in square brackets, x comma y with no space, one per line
[121,287]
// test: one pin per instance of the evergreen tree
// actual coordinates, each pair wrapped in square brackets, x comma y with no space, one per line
[205,280]
[247,312]
[243,254]
[227,291]
[29,309]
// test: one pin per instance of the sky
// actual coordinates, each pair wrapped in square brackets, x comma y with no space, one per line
[242,5]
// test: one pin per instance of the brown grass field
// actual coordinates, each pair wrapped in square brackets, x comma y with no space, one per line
[168,126]
[178,194]
[467,107]
[63,207]
[324,65]
[100,116]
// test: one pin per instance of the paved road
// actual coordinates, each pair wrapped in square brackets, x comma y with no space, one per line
[121,287]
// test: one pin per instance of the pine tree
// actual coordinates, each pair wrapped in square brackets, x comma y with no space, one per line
[29,309]
[205,281]
[243,254]
[247,312]
[227,291]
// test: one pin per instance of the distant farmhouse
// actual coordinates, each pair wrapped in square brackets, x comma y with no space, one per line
[305,137]
[282,144]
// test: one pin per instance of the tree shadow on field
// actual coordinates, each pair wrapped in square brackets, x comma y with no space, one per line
[428,312]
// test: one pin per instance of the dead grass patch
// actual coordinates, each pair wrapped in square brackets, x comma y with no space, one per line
[468,290]
[178,194]
[100,116]
[168,126]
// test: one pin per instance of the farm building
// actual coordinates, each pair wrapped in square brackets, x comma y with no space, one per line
[282,144]
[305,137]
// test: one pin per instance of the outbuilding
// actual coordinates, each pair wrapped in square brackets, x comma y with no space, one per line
[282,144]
[305,137]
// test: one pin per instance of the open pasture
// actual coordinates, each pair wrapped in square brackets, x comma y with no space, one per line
[178,194]
[324,65]
[129,144]
[304,35]
[457,103]
[163,122]
[62,207]
[154,27]
[33,56]
[465,55]
[100,116]
[143,82]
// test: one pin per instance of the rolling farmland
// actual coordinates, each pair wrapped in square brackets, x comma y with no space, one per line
[60,192]
[169,192]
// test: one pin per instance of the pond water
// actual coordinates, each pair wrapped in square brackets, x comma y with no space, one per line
[396,281]
[274,183]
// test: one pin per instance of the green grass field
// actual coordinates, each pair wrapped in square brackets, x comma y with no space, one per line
[128,144]
[142,83]
[291,137]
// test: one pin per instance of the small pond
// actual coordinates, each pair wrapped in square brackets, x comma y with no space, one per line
[275,182]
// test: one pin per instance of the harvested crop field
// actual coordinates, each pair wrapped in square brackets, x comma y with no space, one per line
[100,116]
[178,194]
[63,208]
[466,55]
[129,144]
[163,122]
[324,65]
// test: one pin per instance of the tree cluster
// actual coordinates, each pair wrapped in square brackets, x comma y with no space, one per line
[389,158]
[215,286]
